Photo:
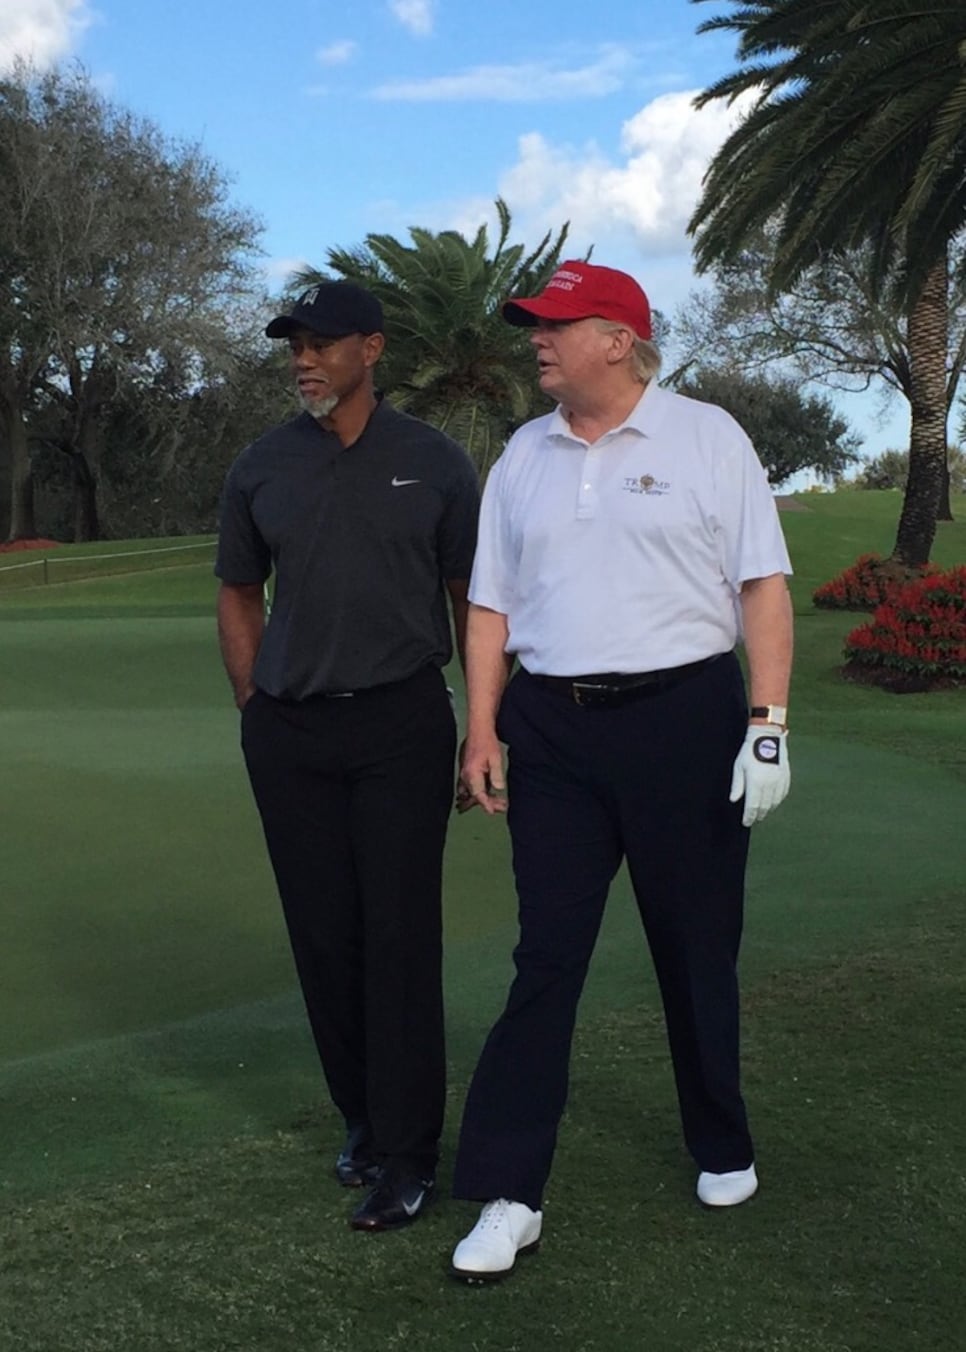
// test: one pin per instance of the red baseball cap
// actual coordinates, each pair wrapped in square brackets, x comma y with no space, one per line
[581,290]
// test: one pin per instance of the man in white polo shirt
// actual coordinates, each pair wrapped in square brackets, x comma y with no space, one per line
[627,540]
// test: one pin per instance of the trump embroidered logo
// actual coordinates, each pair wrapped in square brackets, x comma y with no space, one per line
[647,484]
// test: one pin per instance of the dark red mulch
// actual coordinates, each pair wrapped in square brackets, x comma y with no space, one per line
[11,546]
[897,682]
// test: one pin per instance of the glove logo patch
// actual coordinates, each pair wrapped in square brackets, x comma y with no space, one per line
[766,749]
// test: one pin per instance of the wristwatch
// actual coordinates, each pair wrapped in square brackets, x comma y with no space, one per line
[773,713]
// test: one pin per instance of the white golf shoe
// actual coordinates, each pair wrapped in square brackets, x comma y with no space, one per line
[727,1189]
[490,1250]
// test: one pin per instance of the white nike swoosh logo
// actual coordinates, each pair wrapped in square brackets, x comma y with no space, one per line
[401,483]
[411,1208]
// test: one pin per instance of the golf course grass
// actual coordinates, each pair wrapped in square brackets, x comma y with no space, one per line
[166,1158]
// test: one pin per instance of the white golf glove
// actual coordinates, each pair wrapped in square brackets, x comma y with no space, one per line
[761,774]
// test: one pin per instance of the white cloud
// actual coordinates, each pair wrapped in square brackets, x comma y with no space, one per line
[40,31]
[278,271]
[416,15]
[337,53]
[633,208]
[528,82]
[646,198]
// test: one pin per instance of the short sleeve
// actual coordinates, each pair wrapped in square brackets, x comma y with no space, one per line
[493,580]
[752,542]
[457,528]
[243,556]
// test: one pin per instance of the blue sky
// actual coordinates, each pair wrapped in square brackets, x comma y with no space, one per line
[337,118]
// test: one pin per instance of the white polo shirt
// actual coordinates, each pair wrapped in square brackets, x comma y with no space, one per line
[627,555]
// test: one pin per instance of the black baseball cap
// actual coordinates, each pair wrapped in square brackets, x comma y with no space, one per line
[332,310]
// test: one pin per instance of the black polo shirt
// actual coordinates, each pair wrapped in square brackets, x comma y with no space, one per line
[362,539]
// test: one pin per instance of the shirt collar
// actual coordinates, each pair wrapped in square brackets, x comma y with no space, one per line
[642,419]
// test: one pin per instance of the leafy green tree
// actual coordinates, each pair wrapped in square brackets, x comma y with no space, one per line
[828,325]
[165,458]
[121,259]
[450,357]
[791,430]
[164,449]
[856,138]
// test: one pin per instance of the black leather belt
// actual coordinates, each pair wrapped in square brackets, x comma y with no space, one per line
[607,689]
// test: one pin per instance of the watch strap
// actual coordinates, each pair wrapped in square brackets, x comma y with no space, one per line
[772,713]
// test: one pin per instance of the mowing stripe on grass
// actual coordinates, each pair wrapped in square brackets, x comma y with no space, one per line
[160,1104]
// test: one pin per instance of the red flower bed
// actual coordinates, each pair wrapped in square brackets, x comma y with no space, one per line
[12,545]
[870,581]
[916,640]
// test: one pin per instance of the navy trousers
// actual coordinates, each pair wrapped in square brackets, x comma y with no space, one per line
[647,780]
[355,795]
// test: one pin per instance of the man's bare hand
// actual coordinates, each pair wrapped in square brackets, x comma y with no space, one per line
[481,779]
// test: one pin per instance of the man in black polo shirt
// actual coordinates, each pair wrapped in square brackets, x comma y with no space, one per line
[368,518]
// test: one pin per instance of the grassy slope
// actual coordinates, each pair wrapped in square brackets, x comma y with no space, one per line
[164,1189]
[823,540]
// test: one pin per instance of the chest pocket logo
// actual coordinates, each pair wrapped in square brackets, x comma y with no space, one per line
[647,485]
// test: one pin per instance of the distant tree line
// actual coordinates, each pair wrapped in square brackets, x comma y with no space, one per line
[128,301]
[133,362]
[890,470]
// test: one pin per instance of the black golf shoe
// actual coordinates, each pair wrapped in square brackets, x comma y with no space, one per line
[396,1200]
[357,1165]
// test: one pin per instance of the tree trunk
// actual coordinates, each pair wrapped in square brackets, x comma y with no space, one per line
[5,477]
[945,512]
[22,522]
[928,327]
[86,521]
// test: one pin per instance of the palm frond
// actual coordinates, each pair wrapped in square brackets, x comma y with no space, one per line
[858,133]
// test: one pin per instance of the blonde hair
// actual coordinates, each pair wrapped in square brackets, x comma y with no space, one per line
[645,355]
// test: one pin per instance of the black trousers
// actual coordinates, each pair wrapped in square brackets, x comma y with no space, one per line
[649,781]
[354,795]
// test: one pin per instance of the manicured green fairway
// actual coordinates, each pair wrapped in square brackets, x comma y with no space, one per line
[160,1107]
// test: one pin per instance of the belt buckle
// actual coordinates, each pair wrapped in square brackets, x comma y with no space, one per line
[584,692]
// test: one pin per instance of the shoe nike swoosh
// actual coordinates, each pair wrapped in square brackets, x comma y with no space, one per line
[411,1208]
[401,483]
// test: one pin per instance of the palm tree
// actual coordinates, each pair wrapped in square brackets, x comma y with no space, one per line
[450,357]
[856,138]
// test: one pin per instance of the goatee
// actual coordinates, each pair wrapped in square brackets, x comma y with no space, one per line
[319,408]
